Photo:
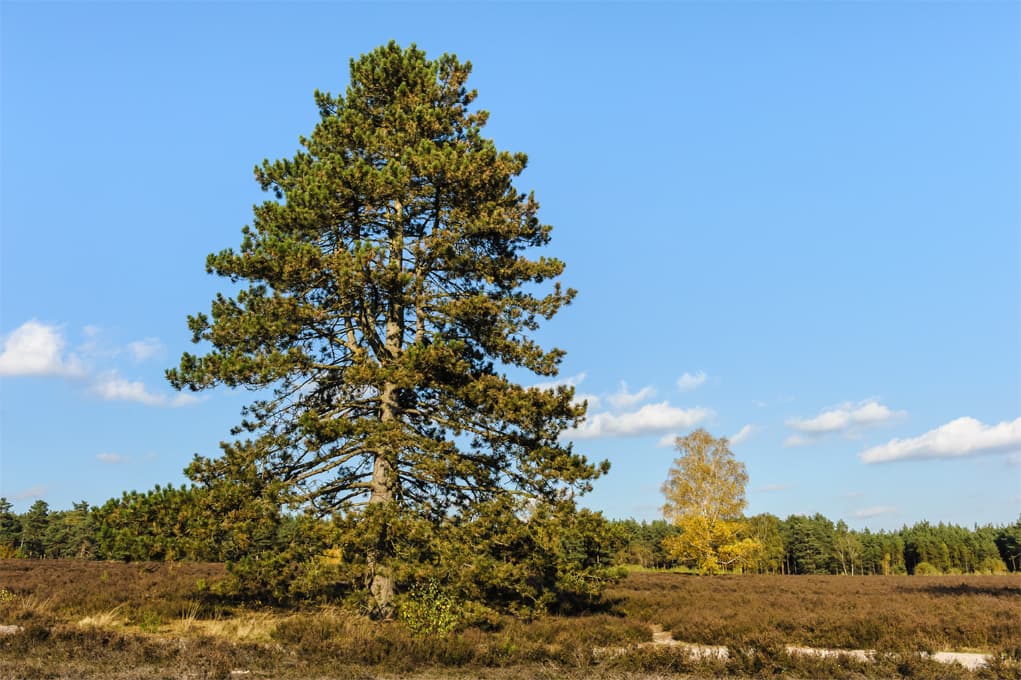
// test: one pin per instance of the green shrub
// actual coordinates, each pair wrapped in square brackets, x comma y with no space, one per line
[428,610]
[926,569]
[150,621]
[992,565]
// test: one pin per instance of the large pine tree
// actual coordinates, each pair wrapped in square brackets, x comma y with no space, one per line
[390,286]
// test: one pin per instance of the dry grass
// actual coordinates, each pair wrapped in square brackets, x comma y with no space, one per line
[111,620]
[108,619]
[254,627]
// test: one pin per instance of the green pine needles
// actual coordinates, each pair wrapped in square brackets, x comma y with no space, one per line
[389,287]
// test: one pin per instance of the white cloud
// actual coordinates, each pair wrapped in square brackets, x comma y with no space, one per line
[111,458]
[622,399]
[33,492]
[957,439]
[141,350]
[182,399]
[98,346]
[112,387]
[650,419]
[797,440]
[667,441]
[593,400]
[688,382]
[93,339]
[743,434]
[875,511]
[846,418]
[36,348]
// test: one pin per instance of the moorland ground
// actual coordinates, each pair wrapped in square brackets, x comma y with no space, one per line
[83,619]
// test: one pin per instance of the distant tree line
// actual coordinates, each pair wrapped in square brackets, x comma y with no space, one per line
[198,524]
[817,545]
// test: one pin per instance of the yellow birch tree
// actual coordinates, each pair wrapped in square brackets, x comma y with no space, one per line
[705,498]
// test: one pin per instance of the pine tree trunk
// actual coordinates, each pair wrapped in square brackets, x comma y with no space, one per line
[384,477]
[384,491]
[381,584]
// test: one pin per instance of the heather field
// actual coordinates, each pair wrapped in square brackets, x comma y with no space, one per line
[82,619]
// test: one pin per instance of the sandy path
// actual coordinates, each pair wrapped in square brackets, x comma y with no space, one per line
[969,660]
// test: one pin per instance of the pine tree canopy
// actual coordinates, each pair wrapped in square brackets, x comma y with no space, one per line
[390,286]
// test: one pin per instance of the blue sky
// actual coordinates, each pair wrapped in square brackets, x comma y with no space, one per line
[794,224]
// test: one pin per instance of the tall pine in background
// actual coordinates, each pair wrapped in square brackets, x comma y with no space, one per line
[390,286]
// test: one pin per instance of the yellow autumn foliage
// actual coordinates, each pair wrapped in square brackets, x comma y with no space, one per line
[705,498]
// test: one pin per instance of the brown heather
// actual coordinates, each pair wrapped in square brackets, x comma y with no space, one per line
[107,620]
[927,613]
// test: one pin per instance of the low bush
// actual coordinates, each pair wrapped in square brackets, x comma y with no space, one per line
[429,610]
[926,569]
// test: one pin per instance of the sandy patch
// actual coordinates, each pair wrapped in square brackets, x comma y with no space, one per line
[969,660]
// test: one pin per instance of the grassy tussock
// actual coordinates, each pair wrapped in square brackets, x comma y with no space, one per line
[108,619]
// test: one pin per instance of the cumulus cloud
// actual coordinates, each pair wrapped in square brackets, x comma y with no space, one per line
[141,350]
[957,439]
[39,349]
[743,434]
[848,419]
[649,419]
[36,348]
[111,458]
[688,382]
[875,511]
[112,387]
[623,399]
[845,417]
[667,441]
